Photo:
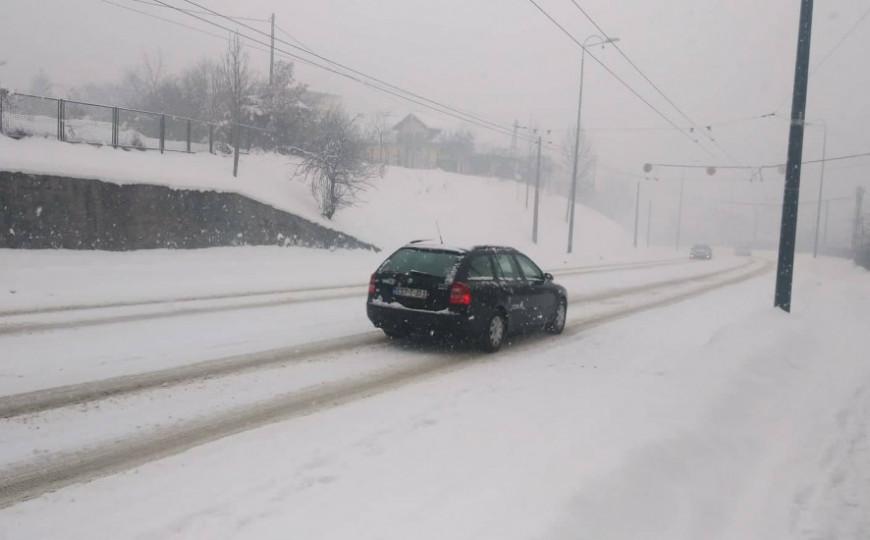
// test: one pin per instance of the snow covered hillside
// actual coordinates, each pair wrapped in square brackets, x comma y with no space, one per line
[404,205]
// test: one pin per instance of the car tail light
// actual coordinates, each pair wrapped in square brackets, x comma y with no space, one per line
[372,284]
[460,294]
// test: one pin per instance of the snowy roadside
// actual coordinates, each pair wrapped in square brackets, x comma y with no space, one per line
[74,355]
[685,422]
[213,396]
[405,204]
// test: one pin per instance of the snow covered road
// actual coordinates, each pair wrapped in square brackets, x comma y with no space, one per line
[682,422]
[125,430]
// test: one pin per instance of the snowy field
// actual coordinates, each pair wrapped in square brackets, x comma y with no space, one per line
[406,204]
[686,421]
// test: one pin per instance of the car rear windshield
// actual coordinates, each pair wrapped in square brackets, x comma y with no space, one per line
[426,261]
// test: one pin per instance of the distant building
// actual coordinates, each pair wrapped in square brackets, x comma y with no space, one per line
[415,143]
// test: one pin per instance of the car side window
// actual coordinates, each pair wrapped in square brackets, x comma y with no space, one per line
[480,268]
[507,267]
[530,269]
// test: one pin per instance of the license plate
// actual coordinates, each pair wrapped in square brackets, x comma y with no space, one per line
[411,293]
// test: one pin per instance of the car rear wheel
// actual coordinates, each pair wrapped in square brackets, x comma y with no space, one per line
[494,334]
[557,325]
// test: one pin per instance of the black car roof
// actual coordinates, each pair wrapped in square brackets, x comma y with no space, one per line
[428,244]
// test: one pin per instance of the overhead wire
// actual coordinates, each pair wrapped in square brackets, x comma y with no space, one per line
[656,87]
[475,119]
[363,78]
[199,12]
[612,73]
[756,167]
[842,40]
[170,21]
[291,36]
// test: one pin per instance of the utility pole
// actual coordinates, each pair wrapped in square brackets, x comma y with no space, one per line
[856,225]
[754,226]
[680,209]
[573,201]
[514,164]
[821,189]
[636,211]
[825,231]
[237,139]
[648,221]
[791,193]
[537,195]
[272,54]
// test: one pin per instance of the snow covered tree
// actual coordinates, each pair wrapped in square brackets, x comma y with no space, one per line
[456,148]
[238,87]
[336,168]
[281,109]
[40,84]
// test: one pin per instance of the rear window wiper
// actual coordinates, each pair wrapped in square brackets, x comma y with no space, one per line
[426,274]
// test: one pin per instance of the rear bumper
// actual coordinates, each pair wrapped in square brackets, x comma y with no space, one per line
[422,322]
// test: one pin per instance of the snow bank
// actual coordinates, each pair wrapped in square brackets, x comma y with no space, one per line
[404,205]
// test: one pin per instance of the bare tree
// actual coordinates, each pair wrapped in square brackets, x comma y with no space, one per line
[238,85]
[41,84]
[378,129]
[336,168]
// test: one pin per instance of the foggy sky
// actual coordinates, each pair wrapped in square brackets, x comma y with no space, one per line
[721,61]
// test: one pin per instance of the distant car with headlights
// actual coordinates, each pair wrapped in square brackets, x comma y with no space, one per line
[701,251]
[483,293]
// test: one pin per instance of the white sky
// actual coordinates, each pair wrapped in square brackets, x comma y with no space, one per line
[722,61]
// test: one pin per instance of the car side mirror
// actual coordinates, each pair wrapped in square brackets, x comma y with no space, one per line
[548,277]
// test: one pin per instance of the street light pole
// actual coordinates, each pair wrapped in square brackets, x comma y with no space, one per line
[680,209]
[821,189]
[573,201]
[537,195]
[648,221]
[636,211]
[791,193]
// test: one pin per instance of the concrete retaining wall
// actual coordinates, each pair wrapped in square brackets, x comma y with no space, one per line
[42,212]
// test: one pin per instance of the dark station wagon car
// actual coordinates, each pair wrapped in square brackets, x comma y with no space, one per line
[482,293]
[701,251]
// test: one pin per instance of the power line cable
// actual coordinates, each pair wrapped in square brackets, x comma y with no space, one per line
[631,62]
[153,4]
[170,21]
[661,92]
[842,40]
[475,119]
[757,167]
[446,110]
[614,75]
[833,49]
[291,36]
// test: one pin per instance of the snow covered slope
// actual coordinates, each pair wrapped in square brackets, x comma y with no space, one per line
[405,204]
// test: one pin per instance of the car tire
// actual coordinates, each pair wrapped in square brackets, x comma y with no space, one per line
[494,333]
[557,325]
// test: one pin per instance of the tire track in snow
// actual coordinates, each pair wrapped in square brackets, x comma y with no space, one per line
[50,398]
[171,307]
[31,480]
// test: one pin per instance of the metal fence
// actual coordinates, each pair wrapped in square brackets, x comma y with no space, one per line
[120,127]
